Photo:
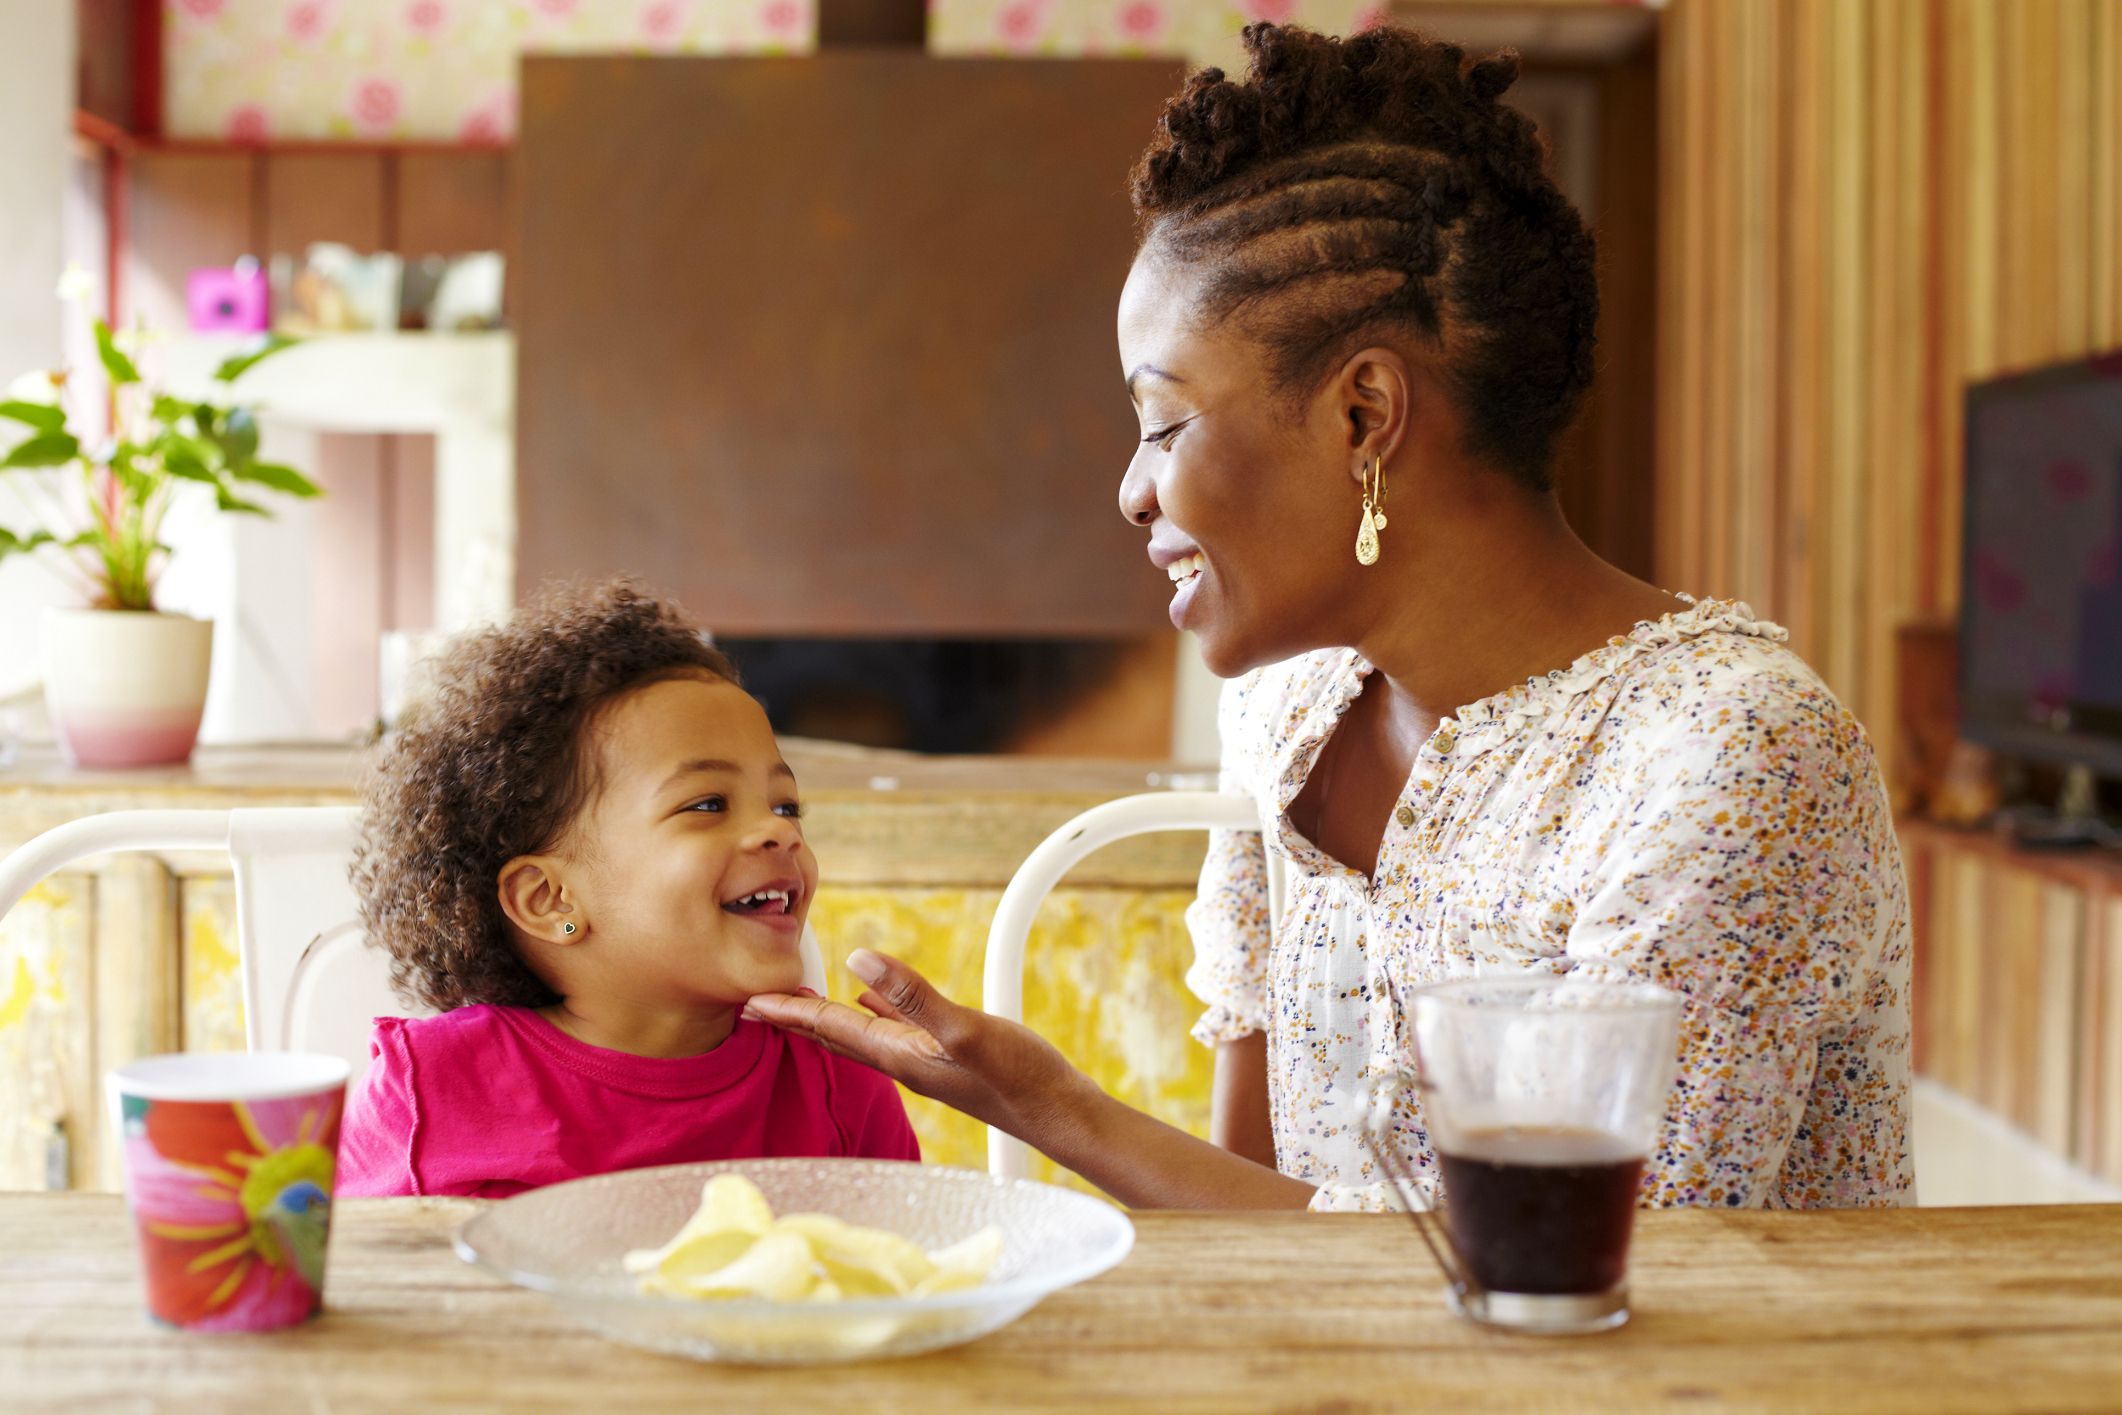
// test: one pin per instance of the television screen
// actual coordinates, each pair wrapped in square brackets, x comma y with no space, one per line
[2041,586]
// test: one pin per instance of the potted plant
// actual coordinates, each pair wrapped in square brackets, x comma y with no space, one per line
[125,682]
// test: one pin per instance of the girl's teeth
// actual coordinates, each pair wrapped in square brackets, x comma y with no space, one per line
[1185,569]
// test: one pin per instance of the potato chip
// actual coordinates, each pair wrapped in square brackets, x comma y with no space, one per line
[963,1264]
[733,1247]
[862,1258]
[778,1267]
[732,1213]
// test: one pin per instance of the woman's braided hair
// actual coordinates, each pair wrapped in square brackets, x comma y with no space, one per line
[1353,185]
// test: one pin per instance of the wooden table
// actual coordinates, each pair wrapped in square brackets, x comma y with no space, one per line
[1918,1310]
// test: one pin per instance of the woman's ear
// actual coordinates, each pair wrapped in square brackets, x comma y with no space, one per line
[1377,393]
[535,897]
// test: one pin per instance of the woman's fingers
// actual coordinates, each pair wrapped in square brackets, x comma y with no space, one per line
[895,992]
[897,1048]
[906,995]
[812,1016]
[878,1005]
[982,1065]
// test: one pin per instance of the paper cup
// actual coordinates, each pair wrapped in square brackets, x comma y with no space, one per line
[229,1163]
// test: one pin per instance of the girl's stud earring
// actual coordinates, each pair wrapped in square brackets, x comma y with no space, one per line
[567,926]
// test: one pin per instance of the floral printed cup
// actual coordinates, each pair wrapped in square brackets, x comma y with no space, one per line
[229,1161]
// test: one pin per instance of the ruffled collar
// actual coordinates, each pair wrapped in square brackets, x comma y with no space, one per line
[1495,719]
[1543,694]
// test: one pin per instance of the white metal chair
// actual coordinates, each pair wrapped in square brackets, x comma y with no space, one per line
[1002,987]
[309,983]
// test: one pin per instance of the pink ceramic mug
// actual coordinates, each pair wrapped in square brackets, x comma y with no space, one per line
[229,1166]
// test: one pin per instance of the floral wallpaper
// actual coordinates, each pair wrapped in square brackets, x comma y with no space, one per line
[419,70]
[1199,31]
[445,70]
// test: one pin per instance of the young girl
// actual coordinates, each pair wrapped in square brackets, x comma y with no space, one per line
[586,853]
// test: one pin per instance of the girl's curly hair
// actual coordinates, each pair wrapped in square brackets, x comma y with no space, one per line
[495,764]
[1352,185]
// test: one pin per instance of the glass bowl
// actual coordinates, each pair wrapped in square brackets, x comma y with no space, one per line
[567,1241]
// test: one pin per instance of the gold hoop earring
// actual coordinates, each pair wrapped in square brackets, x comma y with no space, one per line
[1373,512]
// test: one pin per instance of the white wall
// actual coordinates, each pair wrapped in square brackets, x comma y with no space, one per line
[1194,737]
[251,577]
[1968,1157]
[36,119]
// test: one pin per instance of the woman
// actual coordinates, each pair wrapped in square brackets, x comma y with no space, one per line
[1358,321]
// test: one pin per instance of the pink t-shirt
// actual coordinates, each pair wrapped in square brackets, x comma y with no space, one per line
[490,1101]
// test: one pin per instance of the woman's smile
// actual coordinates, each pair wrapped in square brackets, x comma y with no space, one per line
[1185,589]
[1188,568]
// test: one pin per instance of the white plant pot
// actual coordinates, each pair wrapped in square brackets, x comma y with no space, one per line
[125,688]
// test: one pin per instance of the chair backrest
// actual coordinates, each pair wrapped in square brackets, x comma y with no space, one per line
[309,981]
[1002,991]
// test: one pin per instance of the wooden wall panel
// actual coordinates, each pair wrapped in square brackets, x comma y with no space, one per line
[2008,1008]
[192,208]
[108,35]
[2018,987]
[326,197]
[1621,515]
[1865,207]
[1954,958]
[2098,1144]
[858,321]
[2049,1091]
[187,210]
[451,202]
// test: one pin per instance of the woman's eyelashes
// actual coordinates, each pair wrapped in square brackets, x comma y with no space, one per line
[1162,438]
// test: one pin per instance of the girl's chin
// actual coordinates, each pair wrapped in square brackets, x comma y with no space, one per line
[775,979]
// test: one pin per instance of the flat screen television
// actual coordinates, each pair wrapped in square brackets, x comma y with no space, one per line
[2041,566]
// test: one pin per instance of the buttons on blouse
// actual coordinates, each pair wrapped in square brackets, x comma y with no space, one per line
[1444,742]
[1405,815]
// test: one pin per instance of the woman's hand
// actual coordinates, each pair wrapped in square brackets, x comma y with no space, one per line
[1012,1078]
[993,1070]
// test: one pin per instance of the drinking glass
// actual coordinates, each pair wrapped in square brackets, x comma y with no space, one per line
[1542,1098]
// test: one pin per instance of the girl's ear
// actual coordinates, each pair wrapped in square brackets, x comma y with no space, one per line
[534,895]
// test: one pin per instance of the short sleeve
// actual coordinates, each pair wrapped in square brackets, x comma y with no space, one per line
[1228,918]
[1757,875]
[381,1122]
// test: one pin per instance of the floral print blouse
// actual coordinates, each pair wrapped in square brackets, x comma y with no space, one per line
[1687,805]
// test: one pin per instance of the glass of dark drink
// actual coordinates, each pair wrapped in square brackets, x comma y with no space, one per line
[1541,1098]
